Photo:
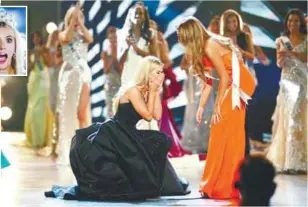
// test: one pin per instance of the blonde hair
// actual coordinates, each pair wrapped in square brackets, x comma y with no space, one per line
[193,36]
[142,77]
[18,63]
[215,20]
[224,18]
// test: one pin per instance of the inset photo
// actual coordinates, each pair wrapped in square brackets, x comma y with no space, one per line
[13,41]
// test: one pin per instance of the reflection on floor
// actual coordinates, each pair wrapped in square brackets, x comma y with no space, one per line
[24,182]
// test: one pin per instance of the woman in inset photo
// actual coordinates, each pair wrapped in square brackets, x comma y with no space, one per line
[12,46]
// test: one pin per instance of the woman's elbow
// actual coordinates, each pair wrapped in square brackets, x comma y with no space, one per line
[251,57]
[90,40]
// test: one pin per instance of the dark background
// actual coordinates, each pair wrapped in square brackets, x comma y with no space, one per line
[262,106]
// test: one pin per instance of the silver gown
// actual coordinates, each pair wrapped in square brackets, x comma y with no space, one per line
[195,139]
[73,74]
[288,150]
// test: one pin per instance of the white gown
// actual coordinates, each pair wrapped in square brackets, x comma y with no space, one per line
[73,74]
[132,61]
[288,150]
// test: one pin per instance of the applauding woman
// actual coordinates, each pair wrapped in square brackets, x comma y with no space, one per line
[73,105]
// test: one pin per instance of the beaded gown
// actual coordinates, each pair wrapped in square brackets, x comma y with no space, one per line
[112,85]
[73,74]
[195,139]
[288,150]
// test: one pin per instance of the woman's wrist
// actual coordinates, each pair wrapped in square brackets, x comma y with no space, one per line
[217,104]
[201,107]
[135,48]
[153,91]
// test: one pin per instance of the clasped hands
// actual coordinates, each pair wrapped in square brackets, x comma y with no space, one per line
[76,16]
[156,81]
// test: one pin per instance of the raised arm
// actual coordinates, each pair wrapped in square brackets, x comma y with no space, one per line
[47,57]
[65,36]
[107,63]
[145,110]
[165,53]
[280,59]
[86,33]
[142,53]
[157,113]
[152,108]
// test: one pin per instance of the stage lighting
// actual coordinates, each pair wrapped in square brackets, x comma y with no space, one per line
[5,113]
[51,27]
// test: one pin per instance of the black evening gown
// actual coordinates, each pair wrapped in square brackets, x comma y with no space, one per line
[115,161]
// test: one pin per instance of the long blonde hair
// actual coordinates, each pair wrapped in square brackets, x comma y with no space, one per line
[224,18]
[193,36]
[142,77]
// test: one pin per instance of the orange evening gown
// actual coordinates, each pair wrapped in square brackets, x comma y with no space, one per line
[227,139]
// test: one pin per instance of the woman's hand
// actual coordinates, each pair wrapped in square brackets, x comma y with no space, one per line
[199,115]
[216,117]
[285,53]
[80,20]
[281,57]
[156,82]
[130,41]
[160,79]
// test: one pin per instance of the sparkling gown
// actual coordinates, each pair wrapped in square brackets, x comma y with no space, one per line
[111,87]
[73,74]
[132,61]
[195,139]
[288,150]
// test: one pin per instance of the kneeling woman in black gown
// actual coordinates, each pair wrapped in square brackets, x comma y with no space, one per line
[115,161]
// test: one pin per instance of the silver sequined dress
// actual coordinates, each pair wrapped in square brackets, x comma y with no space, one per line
[288,150]
[73,74]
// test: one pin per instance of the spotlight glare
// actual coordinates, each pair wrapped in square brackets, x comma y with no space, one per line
[5,113]
[51,27]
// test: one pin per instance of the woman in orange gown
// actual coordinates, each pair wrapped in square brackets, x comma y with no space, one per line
[236,85]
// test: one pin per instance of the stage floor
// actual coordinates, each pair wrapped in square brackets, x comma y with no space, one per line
[24,182]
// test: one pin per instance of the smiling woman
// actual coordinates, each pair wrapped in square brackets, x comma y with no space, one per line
[12,46]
